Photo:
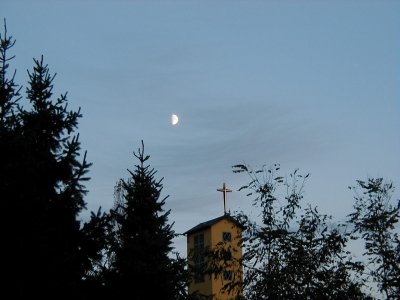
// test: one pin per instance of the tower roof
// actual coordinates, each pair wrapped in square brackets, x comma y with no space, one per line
[209,223]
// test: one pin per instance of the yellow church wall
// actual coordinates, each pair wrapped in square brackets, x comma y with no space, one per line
[217,231]
[213,235]
[205,287]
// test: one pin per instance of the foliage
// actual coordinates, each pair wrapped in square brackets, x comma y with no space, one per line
[41,187]
[375,220]
[9,90]
[141,240]
[291,252]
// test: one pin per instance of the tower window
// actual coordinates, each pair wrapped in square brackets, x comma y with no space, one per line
[198,257]
[226,236]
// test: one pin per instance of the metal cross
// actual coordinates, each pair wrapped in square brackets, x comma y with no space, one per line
[224,190]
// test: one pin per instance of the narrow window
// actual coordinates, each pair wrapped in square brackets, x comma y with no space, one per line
[198,257]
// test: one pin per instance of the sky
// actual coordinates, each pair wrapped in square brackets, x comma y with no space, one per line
[309,85]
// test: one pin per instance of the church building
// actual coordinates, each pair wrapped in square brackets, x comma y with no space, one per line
[221,231]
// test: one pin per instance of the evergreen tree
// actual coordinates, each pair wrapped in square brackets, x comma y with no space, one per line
[9,90]
[53,193]
[140,263]
[47,252]
[10,153]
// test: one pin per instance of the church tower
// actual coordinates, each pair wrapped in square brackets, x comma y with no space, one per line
[221,231]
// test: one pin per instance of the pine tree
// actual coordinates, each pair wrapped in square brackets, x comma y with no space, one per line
[53,191]
[140,264]
[10,153]
[9,90]
[47,252]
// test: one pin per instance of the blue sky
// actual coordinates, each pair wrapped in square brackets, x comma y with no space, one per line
[313,85]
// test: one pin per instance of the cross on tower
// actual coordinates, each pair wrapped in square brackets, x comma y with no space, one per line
[224,190]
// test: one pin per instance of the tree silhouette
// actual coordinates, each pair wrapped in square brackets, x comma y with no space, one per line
[10,153]
[290,252]
[140,260]
[41,187]
[375,219]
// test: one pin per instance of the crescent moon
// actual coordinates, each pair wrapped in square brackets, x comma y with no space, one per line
[174,119]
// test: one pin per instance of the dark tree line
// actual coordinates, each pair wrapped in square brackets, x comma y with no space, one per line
[49,252]
[292,251]
[41,186]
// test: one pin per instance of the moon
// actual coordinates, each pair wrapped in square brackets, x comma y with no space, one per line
[174,119]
